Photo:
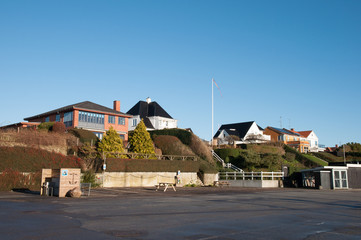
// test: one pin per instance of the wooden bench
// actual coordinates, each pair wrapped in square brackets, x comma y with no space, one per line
[221,183]
[165,185]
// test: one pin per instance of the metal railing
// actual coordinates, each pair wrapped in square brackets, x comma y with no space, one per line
[225,165]
[251,175]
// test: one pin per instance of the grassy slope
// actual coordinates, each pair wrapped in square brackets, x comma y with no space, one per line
[316,160]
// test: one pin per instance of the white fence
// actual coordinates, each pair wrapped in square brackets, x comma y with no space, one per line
[251,175]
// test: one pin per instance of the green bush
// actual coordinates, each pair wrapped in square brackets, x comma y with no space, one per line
[300,158]
[46,126]
[84,136]
[227,153]
[89,177]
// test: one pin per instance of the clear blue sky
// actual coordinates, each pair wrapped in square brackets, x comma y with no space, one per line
[299,60]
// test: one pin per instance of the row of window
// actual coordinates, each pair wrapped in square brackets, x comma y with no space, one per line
[91,117]
[112,119]
[87,117]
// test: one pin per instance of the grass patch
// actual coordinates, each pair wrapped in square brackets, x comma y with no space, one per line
[316,160]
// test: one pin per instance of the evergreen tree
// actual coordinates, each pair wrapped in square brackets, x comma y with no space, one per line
[111,142]
[141,142]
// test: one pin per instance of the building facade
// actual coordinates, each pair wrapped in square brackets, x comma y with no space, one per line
[153,115]
[289,137]
[90,116]
[240,133]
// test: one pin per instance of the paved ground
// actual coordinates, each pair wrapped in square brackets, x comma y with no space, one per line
[189,213]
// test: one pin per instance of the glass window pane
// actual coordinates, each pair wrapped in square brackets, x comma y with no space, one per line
[344,183]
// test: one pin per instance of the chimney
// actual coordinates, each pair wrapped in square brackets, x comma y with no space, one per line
[116,105]
[149,100]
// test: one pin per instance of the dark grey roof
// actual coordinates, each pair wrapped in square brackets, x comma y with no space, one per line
[86,106]
[152,109]
[148,123]
[237,129]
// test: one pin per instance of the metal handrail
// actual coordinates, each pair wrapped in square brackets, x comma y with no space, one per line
[225,165]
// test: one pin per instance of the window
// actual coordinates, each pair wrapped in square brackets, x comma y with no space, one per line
[135,122]
[122,137]
[99,135]
[340,179]
[121,121]
[111,119]
[57,118]
[91,117]
[68,119]
[47,119]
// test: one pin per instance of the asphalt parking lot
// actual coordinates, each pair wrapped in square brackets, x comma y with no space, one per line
[188,213]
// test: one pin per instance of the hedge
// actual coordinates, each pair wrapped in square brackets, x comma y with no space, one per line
[25,159]
[84,136]
[181,134]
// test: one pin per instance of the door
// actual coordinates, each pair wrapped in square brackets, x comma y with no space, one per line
[340,179]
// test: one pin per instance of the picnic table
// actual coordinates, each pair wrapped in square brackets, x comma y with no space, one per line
[221,183]
[165,185]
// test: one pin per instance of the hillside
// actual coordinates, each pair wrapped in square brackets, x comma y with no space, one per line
[49,141]
[15,160]
[268,157]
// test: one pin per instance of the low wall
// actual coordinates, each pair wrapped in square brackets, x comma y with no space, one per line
[147,179]
[255,183]
[210,178]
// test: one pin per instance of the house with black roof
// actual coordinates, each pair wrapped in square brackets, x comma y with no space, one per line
[153,115]
[88,115]
[240,133]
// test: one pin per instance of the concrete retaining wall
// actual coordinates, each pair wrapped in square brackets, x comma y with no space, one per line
[148,179]
[255,183]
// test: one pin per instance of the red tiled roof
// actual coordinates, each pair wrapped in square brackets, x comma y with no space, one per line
[305,133]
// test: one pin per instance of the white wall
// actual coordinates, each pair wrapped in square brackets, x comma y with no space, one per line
[161,122]
[312,138]
[130,123]
[157,122]
[150,179]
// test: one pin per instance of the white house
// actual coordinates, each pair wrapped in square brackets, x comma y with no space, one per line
[240,133]
[153,115]
[312,138]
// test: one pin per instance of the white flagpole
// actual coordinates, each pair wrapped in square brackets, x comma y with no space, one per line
[212,116]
